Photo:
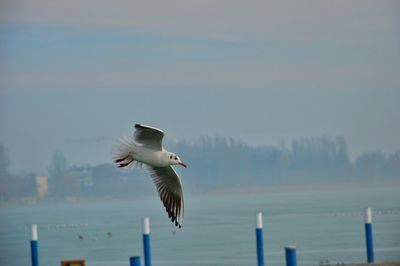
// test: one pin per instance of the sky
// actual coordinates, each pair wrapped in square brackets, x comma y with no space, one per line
[76,75]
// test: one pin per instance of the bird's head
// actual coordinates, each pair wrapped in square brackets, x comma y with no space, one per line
[174,159]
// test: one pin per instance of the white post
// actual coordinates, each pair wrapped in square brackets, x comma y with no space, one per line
[146,226]
[259,220]
[34,245]
[146,242]
[34,233]
[368,215]
[259,239]
[368,235]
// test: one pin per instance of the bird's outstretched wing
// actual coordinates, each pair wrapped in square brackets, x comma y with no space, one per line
[150,137]
[170,190]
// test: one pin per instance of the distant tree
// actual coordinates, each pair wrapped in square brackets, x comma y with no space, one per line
[4,161]
[5,178]
[58,181]
[58,166]
[320,158]
[393,165]
[370,165]
[343,160]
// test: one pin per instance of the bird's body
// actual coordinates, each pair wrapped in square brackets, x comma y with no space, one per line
[146,148]
[151,157]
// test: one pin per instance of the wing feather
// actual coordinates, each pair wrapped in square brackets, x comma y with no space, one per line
[148,136]
[169,188]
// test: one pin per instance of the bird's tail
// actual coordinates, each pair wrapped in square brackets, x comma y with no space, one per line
[124,152]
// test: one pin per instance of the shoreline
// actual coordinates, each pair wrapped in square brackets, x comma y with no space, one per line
[236,190]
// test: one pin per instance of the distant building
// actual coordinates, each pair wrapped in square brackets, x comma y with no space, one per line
[42,187]
[87,185]
[84,181]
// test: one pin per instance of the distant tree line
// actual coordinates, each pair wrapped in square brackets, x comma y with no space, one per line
[213,163]
[220,162]
[223,162]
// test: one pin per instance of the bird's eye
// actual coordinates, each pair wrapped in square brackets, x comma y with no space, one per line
[170,156]
[176,158]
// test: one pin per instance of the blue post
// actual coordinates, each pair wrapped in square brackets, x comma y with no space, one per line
[146,242]
[368,235]
[290,254]
[259,239]
[34,245]
[134,261]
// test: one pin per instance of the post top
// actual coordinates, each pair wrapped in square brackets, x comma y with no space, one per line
[368,215]
[290,247]
[259,220]
[34,234]
[146,226]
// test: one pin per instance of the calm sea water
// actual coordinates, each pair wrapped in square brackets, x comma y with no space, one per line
[218,230]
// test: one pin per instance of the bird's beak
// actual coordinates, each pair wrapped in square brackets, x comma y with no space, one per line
[184,165]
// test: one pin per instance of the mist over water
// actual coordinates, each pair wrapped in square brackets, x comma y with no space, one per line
[217,230]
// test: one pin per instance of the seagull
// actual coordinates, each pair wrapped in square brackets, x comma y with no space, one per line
[146,148]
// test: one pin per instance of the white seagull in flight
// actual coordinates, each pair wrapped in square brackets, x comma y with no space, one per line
[146,148]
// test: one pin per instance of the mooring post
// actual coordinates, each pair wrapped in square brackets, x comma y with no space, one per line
[290,254]
[259,239]
[146,242]
[368,235]
[134,261]
[34,245]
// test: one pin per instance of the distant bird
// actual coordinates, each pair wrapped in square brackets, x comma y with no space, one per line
[146,148]
[80,237]
[109,234]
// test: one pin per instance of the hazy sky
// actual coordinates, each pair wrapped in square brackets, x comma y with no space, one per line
[75,75]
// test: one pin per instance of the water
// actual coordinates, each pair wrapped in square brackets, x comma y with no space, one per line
[218,230]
